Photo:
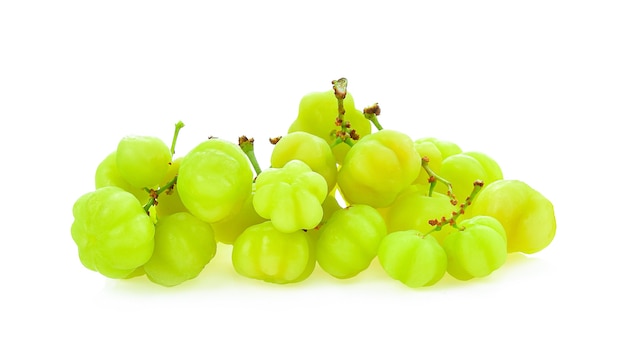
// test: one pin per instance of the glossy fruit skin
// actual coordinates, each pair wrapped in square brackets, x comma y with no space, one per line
[317,113]
[227,231]
[107,174]
[142,160]
[169,201]
[413,211]
[330,206]
[113,233]
[378,168]
[309,148]
[433,154]
[446,148]
[413,259]
[214,180]
[262,252]
[349,241]
[527,215]
[477,250]
[291,196]
[492,169]
[436,150]
[183,246]
[463,169]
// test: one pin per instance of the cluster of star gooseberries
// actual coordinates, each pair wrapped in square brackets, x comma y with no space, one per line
[340,191]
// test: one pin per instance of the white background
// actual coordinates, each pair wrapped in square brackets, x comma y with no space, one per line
[538,85]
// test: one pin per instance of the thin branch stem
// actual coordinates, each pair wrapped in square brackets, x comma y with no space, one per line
[154,194]
[433,178]
[177,128]
[247,145]
[372,112]
[452,221]
[345,134]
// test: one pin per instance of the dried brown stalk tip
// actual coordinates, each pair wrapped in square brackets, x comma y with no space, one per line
[372,109]
[340,86]
[244,139]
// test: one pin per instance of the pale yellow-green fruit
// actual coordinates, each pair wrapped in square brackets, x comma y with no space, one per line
[527,216]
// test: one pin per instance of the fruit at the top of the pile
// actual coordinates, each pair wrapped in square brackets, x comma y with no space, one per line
[378,168]
[349,241]
[412,258]
[113,233]
[463,169]
[262,252]
[446,148]
[107,174]
[476,250]
[309,148]
[142,160]
[214,180]
[526,214]
[317,113]
[183,246]
[290,196]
